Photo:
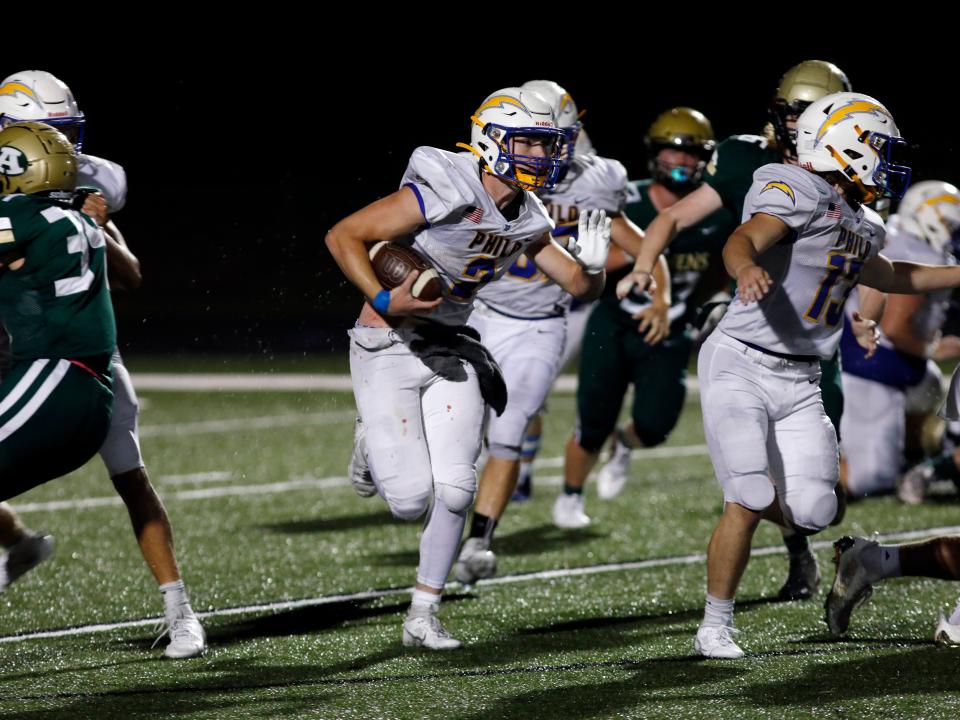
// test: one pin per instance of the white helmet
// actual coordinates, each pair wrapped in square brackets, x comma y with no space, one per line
[565,111]
[931,210]
[38,95]
[853,134]
[507,114]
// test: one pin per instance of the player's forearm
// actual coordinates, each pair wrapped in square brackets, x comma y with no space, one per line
[585,286]
[905,340]
[123,267]
[352,257]
[872,304]
[738,254]
[910,278]
[659,234]
[661,274]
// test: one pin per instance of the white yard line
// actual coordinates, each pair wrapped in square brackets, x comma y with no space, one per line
[284,605]
[262,422]
[285,382]
[300,482]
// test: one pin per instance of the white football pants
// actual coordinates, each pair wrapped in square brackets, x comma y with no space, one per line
[764,420]
[121,449]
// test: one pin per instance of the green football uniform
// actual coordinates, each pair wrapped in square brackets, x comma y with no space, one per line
[55,403]
[614,353]
[730,173]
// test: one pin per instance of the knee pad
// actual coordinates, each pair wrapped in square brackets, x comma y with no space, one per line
[409,506]
[457,487]
[812,508]
[754,492]
[505,434]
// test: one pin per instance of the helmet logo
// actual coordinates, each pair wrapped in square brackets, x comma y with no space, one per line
[12,161]
[12,88]
[845,112]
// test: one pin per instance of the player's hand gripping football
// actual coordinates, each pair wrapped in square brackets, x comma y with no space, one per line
[866,332]
[593,241]
[753,282]
[402,301]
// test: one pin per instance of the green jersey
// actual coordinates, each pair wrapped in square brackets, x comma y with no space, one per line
[695,254]
[730,170]
[54,300]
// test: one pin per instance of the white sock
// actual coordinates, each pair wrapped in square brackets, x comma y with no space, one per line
[718,612]
[881,562]
[955,615]
[174,596]
[423,600]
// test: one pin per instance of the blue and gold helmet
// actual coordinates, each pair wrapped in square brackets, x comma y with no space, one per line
[503,117]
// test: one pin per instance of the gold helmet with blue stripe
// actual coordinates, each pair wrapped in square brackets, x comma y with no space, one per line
[38,95]
[506,117]
[854,135]
[36,158]
[804,83]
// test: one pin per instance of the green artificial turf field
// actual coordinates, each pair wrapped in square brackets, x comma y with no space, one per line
[263,518]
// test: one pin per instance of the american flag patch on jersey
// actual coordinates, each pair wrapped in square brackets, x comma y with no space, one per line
[833,211]
[473,214]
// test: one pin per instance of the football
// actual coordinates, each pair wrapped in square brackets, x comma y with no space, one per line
[392,262]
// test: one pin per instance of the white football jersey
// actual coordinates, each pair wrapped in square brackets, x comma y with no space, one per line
[108,177]
[466,238]
[591,183]
[904,246]
[814,267]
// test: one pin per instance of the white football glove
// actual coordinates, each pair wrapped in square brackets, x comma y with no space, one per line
[593,241]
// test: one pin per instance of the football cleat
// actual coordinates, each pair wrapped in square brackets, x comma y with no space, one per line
[187,638]
[913,484]
[358,470]
[476,562]
[803,580]
[946,634]
[851,587]
[716,642]
[613,475]
[24,555]
[422,628]
[568,512]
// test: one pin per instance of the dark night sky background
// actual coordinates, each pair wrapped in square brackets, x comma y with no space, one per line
[238,163]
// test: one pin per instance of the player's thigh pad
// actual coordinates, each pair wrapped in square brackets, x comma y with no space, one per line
[121,449]
[54,417]
[872,435]
[804,459]
[453,422]
[387,382]
[577,317]
[528,353]
[735,421]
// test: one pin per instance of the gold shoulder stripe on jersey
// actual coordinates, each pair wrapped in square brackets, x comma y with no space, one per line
[782,187]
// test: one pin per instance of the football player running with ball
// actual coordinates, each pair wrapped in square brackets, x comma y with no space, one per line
[420,377]
[806,240]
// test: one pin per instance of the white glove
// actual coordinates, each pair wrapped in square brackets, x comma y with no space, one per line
[593,241]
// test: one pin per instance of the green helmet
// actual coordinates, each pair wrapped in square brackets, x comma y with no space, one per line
[801,85]
[36,158]
[679,128]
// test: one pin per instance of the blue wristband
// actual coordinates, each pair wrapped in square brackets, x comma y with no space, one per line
[381,301]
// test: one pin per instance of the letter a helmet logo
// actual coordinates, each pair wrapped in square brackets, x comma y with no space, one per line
[12,161]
